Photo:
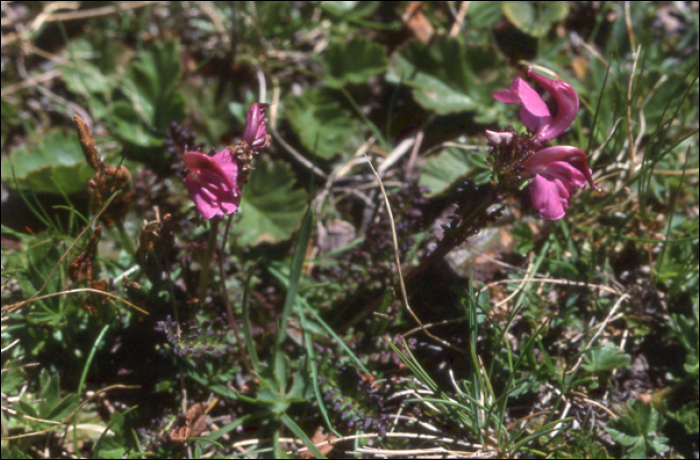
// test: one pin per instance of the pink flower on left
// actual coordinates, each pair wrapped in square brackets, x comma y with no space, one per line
[212,182]
[215,182]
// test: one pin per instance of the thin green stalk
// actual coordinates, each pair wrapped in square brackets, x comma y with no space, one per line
[206,263]
[227,302]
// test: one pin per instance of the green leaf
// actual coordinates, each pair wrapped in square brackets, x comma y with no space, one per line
[686,415]
[41,260]
[605,358]
[441,171]
[13,452]
[54,163]
[350,9]
[524,237]
[114,440]
[149,101]
[484,14]
[50,405]
[270,208]
[637,429]
[11,377]
[89,66]
[299,433]
[353,62]
[323,126]
[448,78]
[535,18]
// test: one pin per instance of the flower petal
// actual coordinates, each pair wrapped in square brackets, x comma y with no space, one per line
[563,161]
[534,112]
[228,164]
[549,197]
[567,105]
[254,134]
[211,182]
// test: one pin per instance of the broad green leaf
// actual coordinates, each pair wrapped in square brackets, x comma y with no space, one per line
[535,18]
[484,14]
[605,358]
[54,164]
[448,78]
[323,126]
[353,62]
[270,209]
[441,171]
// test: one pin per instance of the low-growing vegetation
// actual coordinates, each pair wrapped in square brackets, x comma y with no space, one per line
[350,229]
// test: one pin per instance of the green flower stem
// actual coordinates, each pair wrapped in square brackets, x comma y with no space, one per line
[206,263]
[227,302]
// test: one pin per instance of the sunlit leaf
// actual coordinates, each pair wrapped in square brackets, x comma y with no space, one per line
[448,78]
[606,358]
[148,100]
[271,209]
[323,126]
[535,18]
[441,171]
[353,62]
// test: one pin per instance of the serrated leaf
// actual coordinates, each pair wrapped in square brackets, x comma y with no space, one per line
[149,101]
[353,62]
[687,416]
[606,358]
[11,377]
[323,126]
[535,18]
[270,209]
[54,163]
[448,78]
[637,429]
[88,66]
[441,171]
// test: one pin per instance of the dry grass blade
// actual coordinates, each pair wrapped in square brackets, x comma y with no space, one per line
[397,260]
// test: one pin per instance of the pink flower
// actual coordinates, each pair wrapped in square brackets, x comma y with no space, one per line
[557,172]
[254,134]
[534,112]
[212,182]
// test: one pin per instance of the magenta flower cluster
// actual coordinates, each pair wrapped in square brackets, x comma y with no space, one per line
[555,171]
[213,181]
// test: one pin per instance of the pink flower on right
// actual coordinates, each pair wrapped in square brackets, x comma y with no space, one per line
[558,170]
